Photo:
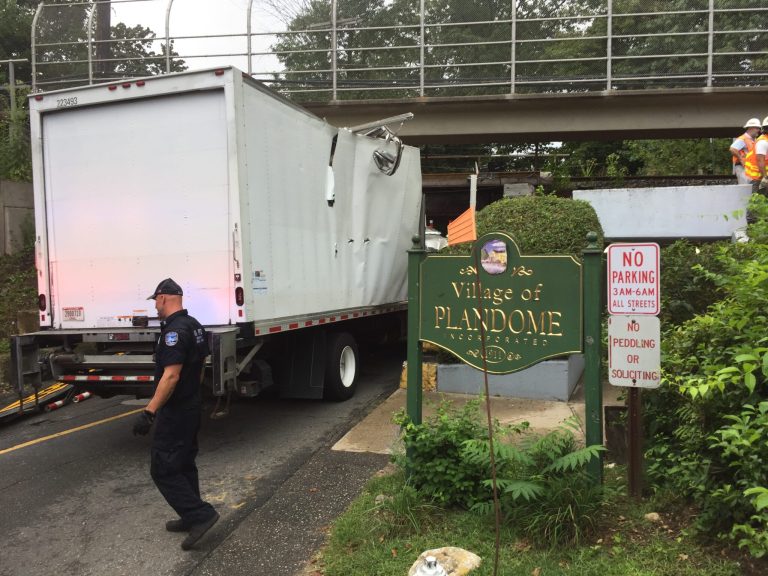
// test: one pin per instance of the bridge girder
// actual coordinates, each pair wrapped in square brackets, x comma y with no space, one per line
[637,114]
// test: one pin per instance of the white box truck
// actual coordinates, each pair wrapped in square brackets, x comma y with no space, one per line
[287,235]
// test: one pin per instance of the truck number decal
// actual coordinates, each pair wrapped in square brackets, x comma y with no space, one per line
[65,102]
[73,314]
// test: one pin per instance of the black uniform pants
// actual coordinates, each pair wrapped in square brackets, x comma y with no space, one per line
[173,468]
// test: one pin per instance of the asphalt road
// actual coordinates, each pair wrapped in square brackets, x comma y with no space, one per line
[77,499]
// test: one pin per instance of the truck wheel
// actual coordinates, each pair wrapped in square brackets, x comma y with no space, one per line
[341,367]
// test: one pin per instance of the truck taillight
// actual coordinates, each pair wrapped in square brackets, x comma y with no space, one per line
[239,296]
[42,303]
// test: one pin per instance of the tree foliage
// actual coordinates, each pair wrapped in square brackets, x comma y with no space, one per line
[15,22]
[708,422]
[559,46]
[123,51]
[644,158]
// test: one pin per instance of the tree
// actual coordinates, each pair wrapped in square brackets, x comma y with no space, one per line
[560,46]
[465,43]
[685,34]
[63,63]
[62,37]
[15,22]
[645,158]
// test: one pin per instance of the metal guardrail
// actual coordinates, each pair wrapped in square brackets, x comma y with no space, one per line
[461,48]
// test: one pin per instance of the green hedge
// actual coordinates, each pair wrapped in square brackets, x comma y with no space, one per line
[539,224]
[687,285]
[706,425]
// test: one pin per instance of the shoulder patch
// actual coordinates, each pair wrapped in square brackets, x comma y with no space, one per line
[171,338]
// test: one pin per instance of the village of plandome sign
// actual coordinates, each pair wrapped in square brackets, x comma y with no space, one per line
[527,308]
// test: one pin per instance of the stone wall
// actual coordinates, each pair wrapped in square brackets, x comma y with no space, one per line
[16,214]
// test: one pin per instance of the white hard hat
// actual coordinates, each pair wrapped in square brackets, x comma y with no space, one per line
[765,122]
[753,123]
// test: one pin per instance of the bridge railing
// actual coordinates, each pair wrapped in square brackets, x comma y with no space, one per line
[347,49]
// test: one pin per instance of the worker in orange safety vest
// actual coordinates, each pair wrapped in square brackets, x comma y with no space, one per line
[760,185]
[743,148]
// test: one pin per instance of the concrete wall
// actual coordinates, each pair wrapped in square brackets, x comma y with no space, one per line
[673,212]
[547,380]
[16,214]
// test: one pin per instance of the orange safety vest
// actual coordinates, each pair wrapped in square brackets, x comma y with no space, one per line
[749,142]
[750,161]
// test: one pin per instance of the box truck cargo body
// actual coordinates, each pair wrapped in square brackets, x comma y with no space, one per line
[282,230]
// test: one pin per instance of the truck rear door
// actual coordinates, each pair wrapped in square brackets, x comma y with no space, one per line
[135,192]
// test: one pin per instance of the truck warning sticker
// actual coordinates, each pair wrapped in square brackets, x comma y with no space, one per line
[260,284]
[74,314]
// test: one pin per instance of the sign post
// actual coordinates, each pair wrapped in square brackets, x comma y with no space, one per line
[634,357]
[593,389]
[413,355]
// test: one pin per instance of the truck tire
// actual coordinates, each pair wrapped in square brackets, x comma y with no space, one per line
[341,367]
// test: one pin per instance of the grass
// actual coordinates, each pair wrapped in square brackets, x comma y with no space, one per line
[383,532]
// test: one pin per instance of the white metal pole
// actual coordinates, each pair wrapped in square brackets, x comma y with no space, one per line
[250,59]
[34,44]
[711,42]
[609,46]
[168,37]
[421,46]
[90,42]
[513,51]
[334,40]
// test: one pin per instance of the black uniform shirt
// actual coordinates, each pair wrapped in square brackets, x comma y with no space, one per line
[182,341]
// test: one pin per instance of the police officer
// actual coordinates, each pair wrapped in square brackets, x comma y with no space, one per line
[176,404]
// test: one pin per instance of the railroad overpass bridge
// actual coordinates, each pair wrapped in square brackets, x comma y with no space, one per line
[606,115]
[494,71]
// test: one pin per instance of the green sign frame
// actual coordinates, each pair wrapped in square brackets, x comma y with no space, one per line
[527,308]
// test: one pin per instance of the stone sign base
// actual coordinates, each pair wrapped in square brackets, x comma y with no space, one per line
[547,380]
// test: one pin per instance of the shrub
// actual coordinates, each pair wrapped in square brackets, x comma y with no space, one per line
[15,152]
[434,458]
[18,289]
[539,224]
[707,422]
[543,487]
[686,289]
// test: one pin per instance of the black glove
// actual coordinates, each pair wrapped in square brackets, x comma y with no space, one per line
[143,423]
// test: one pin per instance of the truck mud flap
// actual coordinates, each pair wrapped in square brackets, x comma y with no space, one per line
[301,372]
[223,344]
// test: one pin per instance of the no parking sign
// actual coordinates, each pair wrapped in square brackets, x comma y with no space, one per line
[633,278]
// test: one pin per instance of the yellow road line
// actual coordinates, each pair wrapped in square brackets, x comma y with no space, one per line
[66,432]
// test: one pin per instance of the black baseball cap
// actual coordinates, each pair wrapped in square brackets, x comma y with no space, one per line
[167,286]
